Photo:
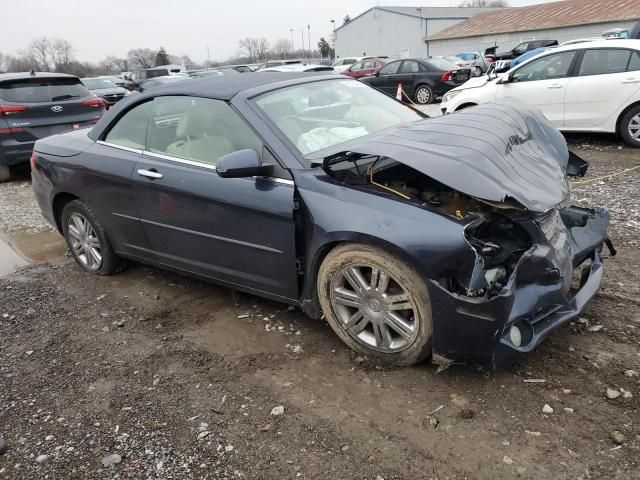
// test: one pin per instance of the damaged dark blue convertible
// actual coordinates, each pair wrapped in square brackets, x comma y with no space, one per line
[450,238]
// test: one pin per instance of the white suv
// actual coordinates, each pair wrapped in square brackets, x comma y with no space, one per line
[587,87]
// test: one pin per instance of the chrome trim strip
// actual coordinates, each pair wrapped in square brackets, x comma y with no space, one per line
[119,147]
[127,217]
[178,160]
[213,237]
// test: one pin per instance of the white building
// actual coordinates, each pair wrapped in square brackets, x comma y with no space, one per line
[562,21]
[397,31]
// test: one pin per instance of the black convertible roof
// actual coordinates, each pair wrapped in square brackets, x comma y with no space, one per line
[227,86]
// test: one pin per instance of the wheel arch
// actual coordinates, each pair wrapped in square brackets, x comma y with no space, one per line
[310,301]
[465,105]
[60,200]
[623,113]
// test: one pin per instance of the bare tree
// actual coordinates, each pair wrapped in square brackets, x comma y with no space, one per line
[248,47]
[39,53]
[282,48]
[485,3]
[60,52]
[141,57]
[262,48]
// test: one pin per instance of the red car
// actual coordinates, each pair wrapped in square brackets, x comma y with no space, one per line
[364,67]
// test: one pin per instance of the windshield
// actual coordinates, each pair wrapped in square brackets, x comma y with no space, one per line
[98,83]
[34,90]
[318,115]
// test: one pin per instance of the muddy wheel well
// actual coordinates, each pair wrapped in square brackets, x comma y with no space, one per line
[59,202]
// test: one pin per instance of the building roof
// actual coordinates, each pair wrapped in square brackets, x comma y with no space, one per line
[443,13]
[543,16]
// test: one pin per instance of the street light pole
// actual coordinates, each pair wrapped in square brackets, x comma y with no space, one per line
[302,37]
[333,37]
[309,38]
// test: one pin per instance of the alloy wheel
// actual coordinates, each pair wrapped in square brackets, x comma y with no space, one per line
[374,308]
[423,95]
[634,127]
[84,242]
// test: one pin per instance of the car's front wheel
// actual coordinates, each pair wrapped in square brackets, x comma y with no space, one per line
[630,127]
[376,303]
[477,72]
[423,95]
[87,240]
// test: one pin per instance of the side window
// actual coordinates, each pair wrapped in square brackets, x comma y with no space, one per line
[197,129]
[369,64]
[634,64]
[356,66]
[131,129]
[603,61]
[390,68]
[520,49]
[349,61]
[409,66]
[550,67]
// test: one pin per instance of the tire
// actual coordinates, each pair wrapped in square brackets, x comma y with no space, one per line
[88,241]
[630,125]
[477,72]
[404,338]
[423,95]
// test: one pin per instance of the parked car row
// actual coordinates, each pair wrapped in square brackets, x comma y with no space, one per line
[586,87]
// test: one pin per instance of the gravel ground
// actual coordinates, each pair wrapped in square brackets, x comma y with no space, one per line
[148,374]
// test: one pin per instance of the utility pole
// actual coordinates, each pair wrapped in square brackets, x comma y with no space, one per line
[302,37]
[292,47]
[309,38]
[208,58]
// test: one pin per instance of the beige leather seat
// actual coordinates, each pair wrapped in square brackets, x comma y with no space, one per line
[200,136]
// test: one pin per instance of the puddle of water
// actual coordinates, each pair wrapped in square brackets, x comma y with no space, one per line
[20,248]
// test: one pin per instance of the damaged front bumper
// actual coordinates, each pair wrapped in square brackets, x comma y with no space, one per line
[551,284]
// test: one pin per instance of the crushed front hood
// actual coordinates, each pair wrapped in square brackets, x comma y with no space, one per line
[500,151]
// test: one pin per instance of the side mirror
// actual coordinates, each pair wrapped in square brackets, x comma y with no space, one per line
[377,73]
[243,163]
[507,79]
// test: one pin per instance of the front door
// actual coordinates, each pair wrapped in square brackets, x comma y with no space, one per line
[387,79]
[239,231]
[543,83]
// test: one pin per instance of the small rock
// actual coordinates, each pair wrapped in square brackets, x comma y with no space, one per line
[156,297]
[547,409]
[521,470]
[265,428]
[120,323]
[379,477]
[612,394]
[595,328]
[568,410]
[433,421]
[625,393]
[467,413]
[42,458]
[228,448]
[507,460]
[201,435]
[617,437]
[3,445]
[534,434]
[243,316]
[29,352]
[105,329]
[111,460]
[69,450]
[276,411]
[506,443]
[48,438]
[287,384]
[345,448]
[566,391]
[101,297]
[630,373]
[359,359]
[156,381]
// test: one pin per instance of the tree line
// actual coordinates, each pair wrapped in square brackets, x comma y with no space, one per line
[58,55]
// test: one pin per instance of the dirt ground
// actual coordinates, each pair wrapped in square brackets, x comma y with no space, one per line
[147,374]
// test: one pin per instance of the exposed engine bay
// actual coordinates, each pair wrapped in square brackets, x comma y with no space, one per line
[494,231]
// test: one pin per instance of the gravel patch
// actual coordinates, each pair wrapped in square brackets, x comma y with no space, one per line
[18,208]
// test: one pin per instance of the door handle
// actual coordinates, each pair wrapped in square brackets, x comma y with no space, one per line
[631,80]
[152,174]
[556,85]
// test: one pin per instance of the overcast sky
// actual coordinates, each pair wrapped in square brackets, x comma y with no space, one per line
[100,28]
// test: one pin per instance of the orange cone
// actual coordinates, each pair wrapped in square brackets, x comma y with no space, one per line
[399,92]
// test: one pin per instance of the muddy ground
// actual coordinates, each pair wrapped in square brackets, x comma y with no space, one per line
[147,374]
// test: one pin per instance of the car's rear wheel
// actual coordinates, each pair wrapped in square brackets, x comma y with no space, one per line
[477,71]
[630,127]
[376,303]
[423,95]
[88,241]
